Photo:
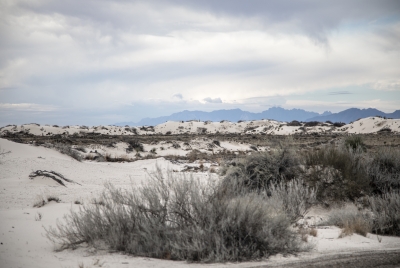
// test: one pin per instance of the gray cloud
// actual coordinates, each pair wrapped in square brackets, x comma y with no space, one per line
[339,93]
[210,100]
[178,96]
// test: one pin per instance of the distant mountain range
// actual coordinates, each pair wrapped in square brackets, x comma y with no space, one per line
[275,113]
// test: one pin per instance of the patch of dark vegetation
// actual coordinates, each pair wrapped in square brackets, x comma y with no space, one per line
[311,124]
[385,130]
[339,124]
[294,123]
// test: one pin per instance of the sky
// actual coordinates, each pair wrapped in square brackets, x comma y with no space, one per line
[102,62]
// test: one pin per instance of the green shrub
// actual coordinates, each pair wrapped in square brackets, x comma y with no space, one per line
[183,219]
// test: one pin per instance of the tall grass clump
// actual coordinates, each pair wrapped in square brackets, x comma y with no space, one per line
[181,218]
[386,212]
[355,143]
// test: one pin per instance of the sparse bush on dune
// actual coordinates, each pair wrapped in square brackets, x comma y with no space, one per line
[68,150]
[181,218]
[134,145]
[294,123]
[311,124]
[339,124]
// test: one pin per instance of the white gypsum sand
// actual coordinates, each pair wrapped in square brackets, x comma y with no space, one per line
[22,232]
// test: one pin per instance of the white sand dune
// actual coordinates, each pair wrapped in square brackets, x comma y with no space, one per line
[365,125]
[23,243]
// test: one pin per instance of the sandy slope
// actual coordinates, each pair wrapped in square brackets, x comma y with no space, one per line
[22,237]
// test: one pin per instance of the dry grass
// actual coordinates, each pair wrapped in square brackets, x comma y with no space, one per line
[351,220]
[386,212]
[357,225]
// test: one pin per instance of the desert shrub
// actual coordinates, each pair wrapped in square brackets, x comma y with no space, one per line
[201,130]
[176,145]
[294,123]
[385,130]
[135,145]
[329,122]
[109,158]
[339,124]
[197,155]
[386,211]
[351,220]
[147,128]
[41,200]
[311,124]
[257,171]
[338,173]
[168,133]
[81,149]
[354,143]
[384,170]
[217,142]
[253,147]
[68,150]
[180,218]
[297,198]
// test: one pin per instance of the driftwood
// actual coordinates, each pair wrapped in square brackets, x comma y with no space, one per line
[59,178]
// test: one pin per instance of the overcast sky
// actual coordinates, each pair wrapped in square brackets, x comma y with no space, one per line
[102,62]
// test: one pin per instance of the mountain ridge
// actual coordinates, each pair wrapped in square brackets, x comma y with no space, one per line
[274,113]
